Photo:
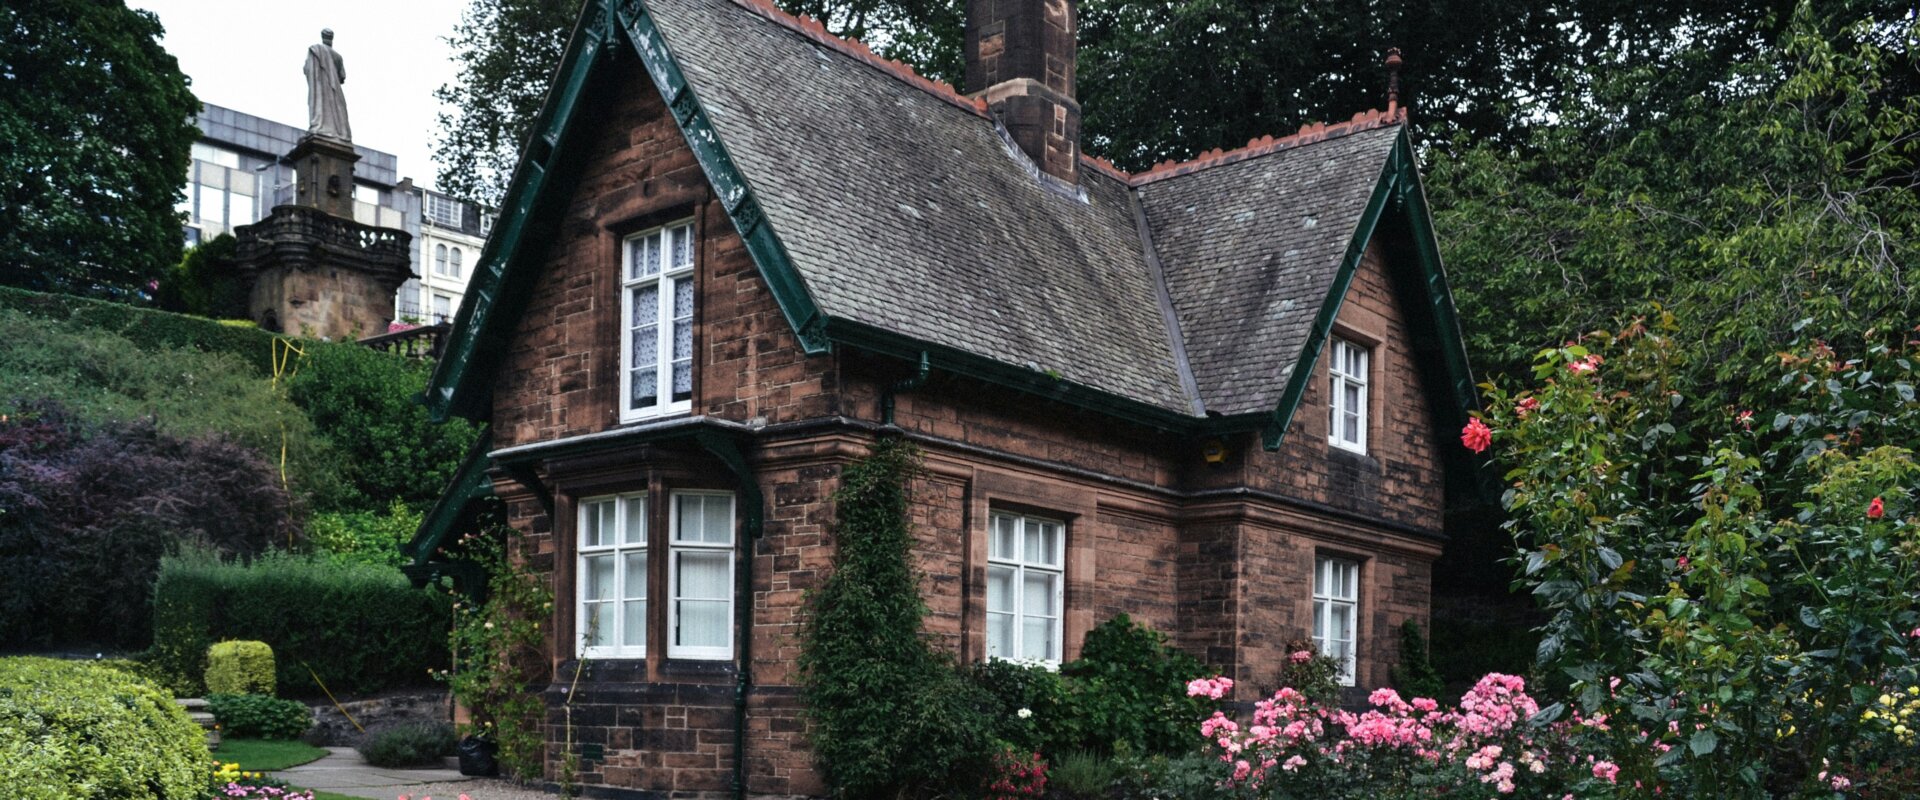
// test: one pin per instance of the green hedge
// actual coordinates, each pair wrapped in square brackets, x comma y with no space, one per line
[240,666]
[362,628]
[147,327]
[72,729]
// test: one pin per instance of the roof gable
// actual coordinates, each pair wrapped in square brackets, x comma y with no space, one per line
[909,225]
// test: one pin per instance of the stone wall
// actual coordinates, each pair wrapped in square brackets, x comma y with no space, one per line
[331,728]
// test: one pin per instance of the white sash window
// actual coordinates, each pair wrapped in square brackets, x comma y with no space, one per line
[700,587]
[656,331]
[610,617]
[1025,588]
[1336,611]
[1347,396]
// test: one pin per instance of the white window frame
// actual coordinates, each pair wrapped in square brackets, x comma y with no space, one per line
[1055,564]
[668,280]
[439,259]
[618,549]
[1325,599]
[442,211]
[675,550]
[1350,362]
[454,267]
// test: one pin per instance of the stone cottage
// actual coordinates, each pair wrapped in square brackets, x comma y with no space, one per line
[1215,395]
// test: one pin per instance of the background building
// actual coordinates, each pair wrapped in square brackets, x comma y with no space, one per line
[239,172]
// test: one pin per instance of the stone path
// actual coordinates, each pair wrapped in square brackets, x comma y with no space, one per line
[342,771]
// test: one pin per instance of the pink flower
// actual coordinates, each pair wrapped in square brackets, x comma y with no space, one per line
[1607,771]
[1476,436]
[1214,688]
[1527,405]
[1876,509]
[1585,365]
[1685,563]
[1301,656]
[1746,419]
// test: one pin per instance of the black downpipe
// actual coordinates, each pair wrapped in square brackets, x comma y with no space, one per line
[918,379]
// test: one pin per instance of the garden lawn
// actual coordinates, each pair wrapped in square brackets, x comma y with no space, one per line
[266,755]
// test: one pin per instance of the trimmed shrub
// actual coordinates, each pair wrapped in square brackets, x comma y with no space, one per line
[417,744]
[364,402]
[259,716]
[89,510]
[78,730]
[891,715]
[360,628]
[240,667]
[147,328]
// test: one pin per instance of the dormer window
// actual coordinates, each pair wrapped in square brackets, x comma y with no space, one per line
[1347,396]
[656,331]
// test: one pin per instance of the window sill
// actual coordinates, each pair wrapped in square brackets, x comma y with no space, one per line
[697,666]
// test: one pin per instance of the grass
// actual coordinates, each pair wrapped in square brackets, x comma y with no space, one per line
[266,755]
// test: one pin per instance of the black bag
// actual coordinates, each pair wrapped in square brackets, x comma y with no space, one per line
[477,757]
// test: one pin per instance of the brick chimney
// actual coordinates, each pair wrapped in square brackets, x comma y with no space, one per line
[1020,59]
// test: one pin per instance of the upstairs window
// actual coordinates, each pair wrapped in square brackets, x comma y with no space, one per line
[454,258]
[656,332]
[439,259]
[1347,396]
[1336,611]
[612,612]
[442,210]
[1025,583]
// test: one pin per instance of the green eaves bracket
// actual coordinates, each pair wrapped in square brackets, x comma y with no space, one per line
[731,187]
[1399,181]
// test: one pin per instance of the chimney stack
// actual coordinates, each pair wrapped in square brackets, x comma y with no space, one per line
[1020,59]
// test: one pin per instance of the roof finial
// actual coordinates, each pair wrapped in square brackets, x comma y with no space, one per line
[1393,81]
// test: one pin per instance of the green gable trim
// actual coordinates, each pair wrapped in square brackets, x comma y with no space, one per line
[735,195]
[1399,186]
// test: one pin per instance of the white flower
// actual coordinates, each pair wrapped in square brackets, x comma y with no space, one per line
[1024,713]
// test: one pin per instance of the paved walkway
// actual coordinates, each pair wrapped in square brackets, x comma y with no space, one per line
[343,771]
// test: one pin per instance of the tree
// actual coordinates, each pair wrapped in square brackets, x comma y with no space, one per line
[509,49]
[98,122]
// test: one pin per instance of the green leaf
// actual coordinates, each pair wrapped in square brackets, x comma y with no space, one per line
[1703,742]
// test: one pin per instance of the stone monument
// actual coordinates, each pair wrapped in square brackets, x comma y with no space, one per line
[313,270]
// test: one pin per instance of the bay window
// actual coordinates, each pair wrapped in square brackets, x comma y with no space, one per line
[611,618]
[701,576]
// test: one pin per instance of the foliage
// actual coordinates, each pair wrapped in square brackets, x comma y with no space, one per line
[77,730]
[1738,580]
[87,512]
[497,647]
[365,403]
[1129,685]
[265,755]
[509,50]
[1415,675]
[1190,776]
[146,329]
[358,627]
[365,537]
[890,714]
[240,667]
[1313,675]
[1084,775]
[1027,704]
[411,745]
[260,716]
[203,283]
[1784,194]
[120,377]
[98,122]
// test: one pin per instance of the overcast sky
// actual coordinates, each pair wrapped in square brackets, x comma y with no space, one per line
[246,55]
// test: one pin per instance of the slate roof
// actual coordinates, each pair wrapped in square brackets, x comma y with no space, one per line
[1190,291]
[1250,250]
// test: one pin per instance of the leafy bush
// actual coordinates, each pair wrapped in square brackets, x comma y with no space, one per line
[144,328]
[1415,676]
[1027,704]
[891,715]
[89,510]
[361,628]
[412,745]
[1129,685]
[363,536]
[78,730]
[364,402]
[202,284]
[240,667]
[259,716]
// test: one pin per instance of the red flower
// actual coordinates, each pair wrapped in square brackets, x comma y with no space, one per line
[1476,436]
[1876,509]
[1526,406]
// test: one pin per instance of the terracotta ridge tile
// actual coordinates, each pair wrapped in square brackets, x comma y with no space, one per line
[817,31]
[1105,166]
[1308,134]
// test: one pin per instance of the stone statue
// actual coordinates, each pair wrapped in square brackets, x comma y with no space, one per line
[326,102]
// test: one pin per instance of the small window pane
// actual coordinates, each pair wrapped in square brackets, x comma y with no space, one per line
[683,247]
[646,389]
[634,624]
[999,635]
[1038,595]
[636,583]
[636,524]
[599,622]
[1036,639]
[999,590]
[704,575]
[1035,552]
[1002,545]
[703,623]
[718,525]
[651,263]
[600,578]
